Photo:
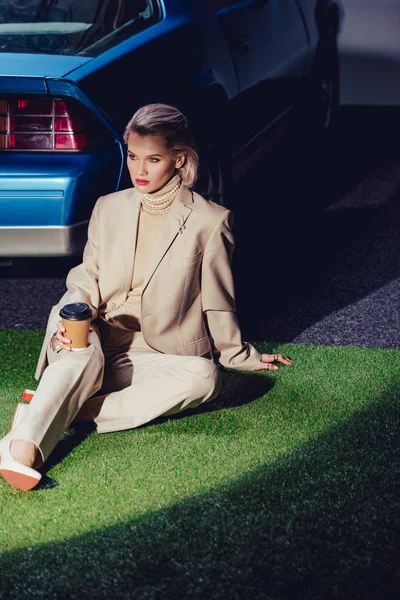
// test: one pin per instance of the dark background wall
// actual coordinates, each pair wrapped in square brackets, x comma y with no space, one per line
[370,52]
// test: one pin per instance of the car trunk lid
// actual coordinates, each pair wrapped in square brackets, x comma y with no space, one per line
[38,65]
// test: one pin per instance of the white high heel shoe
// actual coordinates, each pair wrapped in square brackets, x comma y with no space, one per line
[17,474]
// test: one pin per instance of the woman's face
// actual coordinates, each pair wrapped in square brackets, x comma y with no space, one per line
[151,164]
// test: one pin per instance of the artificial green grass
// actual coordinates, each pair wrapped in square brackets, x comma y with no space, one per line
[284,487]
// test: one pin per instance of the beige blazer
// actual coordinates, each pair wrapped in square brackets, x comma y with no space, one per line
[188,299]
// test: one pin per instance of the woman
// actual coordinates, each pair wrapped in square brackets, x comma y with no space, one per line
[156,273]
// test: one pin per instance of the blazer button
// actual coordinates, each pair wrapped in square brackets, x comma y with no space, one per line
[113,305]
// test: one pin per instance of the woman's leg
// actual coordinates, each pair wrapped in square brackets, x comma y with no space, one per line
[67,382]
[150,385]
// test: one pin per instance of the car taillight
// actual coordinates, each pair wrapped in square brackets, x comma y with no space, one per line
[48,124]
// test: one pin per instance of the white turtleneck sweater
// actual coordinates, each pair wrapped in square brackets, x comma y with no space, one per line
[128,316]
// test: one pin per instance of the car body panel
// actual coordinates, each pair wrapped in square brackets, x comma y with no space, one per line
[46,241]
[10,84]
[47,189]
[269,68]
[161,70]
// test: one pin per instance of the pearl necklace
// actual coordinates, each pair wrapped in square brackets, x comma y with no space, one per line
[161,204]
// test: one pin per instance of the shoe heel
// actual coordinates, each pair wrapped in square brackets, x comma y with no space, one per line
[19,480]
[17,474]
[27,395]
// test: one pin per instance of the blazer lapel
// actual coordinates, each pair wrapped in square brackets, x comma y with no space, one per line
[129,235]
[177,216]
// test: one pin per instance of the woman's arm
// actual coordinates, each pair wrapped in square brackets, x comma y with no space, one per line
[218,298]
[82,286]
[231,350]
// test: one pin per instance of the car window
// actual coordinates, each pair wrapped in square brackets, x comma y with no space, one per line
[82,27]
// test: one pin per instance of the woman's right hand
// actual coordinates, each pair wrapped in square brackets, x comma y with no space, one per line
[62,342]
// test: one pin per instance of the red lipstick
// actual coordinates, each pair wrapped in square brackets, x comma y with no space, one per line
[142,181]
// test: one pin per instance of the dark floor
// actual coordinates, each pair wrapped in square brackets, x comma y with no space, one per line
[323,259]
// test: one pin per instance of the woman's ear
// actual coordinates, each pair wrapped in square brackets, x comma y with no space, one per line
[180,161]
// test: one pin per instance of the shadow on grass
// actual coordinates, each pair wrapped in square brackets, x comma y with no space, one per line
[320,523]
[74,436]
[238,389]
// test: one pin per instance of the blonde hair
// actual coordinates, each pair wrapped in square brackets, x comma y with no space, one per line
[170,124]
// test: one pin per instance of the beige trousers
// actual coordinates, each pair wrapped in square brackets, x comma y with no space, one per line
[116,386]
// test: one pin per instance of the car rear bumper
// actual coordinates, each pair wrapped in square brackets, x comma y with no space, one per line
[43,241]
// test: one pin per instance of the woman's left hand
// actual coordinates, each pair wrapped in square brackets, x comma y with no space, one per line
[268,361]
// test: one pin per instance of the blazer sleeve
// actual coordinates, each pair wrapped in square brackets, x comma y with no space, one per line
[82,286]
[218,299]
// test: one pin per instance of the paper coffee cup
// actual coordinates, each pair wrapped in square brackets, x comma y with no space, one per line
[75,318]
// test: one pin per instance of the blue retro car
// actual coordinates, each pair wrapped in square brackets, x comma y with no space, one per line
[73,72]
